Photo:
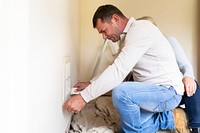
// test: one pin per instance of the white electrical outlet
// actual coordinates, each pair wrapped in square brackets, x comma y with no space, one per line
[67,78]
[73,91]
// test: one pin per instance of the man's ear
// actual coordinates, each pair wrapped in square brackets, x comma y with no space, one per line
[115,19]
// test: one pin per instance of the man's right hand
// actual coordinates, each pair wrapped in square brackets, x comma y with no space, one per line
[81,85]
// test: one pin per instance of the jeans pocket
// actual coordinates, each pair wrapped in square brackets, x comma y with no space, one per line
[169,104]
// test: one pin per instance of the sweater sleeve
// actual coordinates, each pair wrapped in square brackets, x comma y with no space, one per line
[183,63]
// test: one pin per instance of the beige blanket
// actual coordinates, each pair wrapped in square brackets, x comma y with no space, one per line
[98,116]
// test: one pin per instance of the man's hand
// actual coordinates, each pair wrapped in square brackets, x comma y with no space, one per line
[81,85]
[75,104]
[189,85]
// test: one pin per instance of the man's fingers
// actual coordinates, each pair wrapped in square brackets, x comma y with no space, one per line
[79,89]
[66,106]
[74,104]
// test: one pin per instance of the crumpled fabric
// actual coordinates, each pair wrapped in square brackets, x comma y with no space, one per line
[98,116]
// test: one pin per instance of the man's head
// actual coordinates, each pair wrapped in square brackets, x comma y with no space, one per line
[109,21]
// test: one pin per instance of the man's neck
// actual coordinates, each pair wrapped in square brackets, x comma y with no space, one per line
[124,22]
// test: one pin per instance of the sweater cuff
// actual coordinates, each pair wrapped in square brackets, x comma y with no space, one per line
[188,75]
[86,96]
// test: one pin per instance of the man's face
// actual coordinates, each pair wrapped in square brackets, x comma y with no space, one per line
[109,30]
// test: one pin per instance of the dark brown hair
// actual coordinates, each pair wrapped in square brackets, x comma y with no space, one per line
[105,13]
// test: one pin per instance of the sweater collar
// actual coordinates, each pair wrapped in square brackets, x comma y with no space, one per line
[128,25]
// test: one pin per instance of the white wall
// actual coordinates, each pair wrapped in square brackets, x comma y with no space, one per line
[178,18]
[54,35]
[35,37]
[14,66]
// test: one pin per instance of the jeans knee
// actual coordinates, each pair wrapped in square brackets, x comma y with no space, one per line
[118,95]
[169,104]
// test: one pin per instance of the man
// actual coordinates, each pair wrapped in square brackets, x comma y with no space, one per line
[144,105]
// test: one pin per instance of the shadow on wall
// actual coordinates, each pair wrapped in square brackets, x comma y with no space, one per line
[198,40]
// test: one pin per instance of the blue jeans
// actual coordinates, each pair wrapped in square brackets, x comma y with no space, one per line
[145,108]
[192,105]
